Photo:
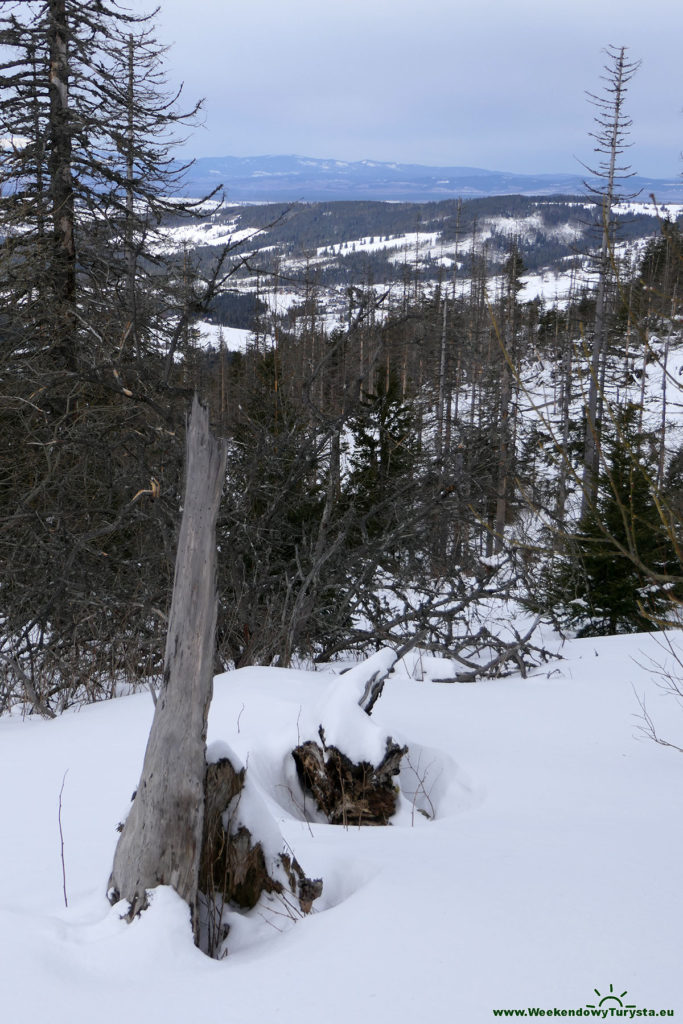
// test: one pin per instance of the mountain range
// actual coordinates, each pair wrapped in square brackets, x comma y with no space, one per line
[292,178]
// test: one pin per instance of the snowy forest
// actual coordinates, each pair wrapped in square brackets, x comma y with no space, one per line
[439,482]
[433,451]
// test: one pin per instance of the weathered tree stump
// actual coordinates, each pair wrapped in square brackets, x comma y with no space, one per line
[348,793]
[176,833]
[160,843]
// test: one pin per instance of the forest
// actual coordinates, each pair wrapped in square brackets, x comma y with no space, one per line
[398,479]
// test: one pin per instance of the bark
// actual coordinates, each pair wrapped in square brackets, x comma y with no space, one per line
[565,406]
[441,403]
[348,792]
[161,840]
[384,661]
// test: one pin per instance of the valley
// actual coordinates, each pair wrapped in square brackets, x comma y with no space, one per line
[284,254]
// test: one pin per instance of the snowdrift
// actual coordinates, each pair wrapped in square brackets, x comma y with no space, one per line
[533,859]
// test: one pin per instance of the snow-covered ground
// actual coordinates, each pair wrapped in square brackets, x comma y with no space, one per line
[555,288]
[207,232]
[660,363]
[550,871]
[663,210]
[235,339]
[410,242]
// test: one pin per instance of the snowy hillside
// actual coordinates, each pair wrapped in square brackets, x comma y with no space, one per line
[322,249]
[549,872]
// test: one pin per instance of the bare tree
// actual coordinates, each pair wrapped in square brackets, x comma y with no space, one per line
[610,135]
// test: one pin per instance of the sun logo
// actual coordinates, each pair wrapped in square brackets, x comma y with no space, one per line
[611,997]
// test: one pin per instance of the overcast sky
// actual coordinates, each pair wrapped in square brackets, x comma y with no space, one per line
[485,83]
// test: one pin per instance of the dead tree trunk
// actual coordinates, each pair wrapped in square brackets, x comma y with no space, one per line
[161,840]
[611,131]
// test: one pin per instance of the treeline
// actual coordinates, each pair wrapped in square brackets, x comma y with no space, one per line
[301,227]
[321,240]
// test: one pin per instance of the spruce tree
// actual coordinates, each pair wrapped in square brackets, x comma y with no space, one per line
[382,460]
[623,569]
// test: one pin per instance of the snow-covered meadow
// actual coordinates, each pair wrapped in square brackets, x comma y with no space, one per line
[548,871]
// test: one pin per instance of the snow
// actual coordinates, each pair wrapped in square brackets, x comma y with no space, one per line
[672,211]
[248,809]
[207,233]
[346,726]
[527,228]
[425,250]
[410,241]
[540,400]
[549,870]
[552,286]
[235,339]
[13,142]
[210,231]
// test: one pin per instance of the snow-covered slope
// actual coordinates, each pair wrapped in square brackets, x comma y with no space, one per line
[550,870]
[323,248]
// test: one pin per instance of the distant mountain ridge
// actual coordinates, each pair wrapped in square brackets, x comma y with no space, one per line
[291,178]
